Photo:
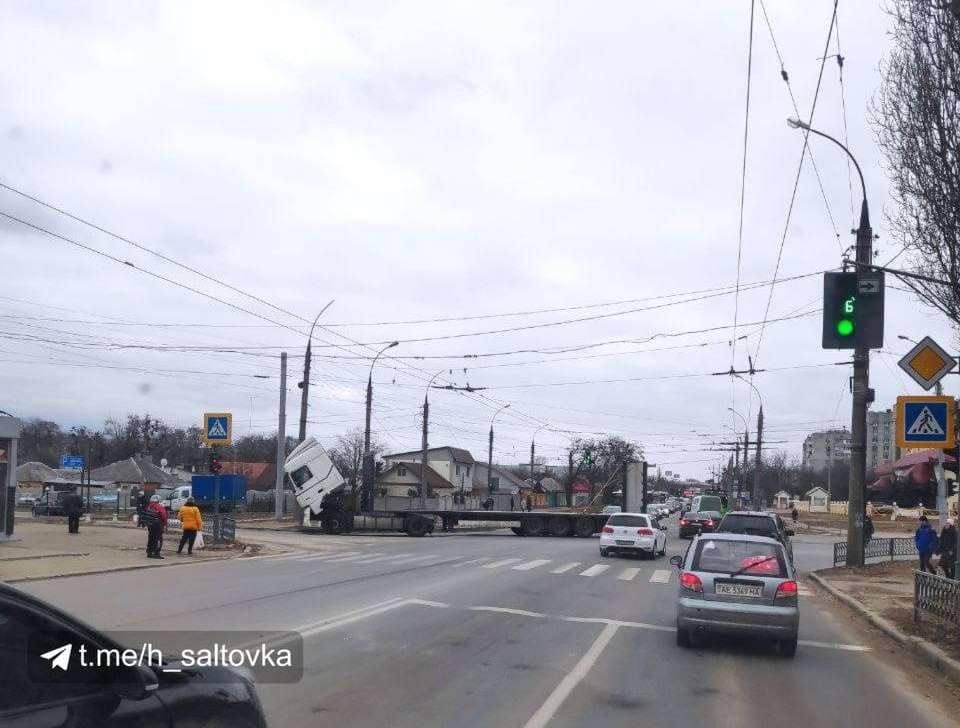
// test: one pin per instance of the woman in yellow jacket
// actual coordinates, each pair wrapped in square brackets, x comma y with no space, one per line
[192,523]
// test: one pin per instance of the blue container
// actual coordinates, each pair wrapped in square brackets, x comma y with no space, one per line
[233,490]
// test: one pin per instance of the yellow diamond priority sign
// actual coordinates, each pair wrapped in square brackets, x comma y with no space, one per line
[927,363]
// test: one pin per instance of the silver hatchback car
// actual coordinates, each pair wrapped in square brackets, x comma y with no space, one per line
[737,584]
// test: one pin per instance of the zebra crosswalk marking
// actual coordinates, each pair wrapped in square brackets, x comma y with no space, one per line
[594,570]
[628,574]
[531,565]
[660,576]
[565,567]
[502,562]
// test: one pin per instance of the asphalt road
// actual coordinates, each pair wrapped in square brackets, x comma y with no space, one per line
[489,629]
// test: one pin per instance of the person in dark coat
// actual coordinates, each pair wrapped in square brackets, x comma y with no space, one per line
[926,542]
[867,529]
[948,549]
[156,517]
[72,505]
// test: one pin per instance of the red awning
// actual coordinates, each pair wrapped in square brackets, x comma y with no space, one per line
[915,458]
[882,485]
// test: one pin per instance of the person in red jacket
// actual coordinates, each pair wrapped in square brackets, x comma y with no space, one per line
[156,519]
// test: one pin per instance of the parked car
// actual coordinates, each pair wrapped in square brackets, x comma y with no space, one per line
[36,693]
[637,533]
[48,504]
[105,498]
[26,500]
[758,523]
[732,583]
[693,524]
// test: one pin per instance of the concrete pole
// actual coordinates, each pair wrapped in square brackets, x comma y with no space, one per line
[490,463]
[278,499]
[756,472]
[304,395]
[942,507]
[423,455]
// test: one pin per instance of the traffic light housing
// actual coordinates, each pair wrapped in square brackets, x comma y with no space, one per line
[853,310]
[214,465]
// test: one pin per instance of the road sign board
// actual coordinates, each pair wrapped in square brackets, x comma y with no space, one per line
[927,363]
[71,462]
[218,428]
[925,422]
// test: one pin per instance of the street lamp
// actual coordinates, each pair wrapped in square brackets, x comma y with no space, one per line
[305,384]
[861,377]
[490,451]
[367,464]
[423,455]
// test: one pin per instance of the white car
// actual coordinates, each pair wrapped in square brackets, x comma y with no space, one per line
[660,510]
[638,533]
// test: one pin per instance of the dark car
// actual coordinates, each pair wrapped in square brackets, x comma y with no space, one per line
[692,524]
[37,693]
[758,523]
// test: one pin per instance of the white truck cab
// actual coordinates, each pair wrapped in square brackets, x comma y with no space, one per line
[312,473]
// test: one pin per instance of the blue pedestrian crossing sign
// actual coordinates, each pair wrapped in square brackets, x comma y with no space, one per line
[925,422]
[218,428]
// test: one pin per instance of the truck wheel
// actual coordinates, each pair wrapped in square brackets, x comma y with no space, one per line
[332,523]
[584,527]
[416,527]
[517,531]
[532,526]
[560,526]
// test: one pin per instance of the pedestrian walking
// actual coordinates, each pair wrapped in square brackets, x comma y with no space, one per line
[529,504]
[948,549]
[72,505]
[192,522]
[794,514]
[155,516]
[926,541]
[512,503]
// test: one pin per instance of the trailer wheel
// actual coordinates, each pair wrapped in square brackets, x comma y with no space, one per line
[584,527]
[517,531]
[532,526]
[417,527]
[560,526]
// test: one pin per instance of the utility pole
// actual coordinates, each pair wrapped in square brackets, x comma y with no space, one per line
[305,384]
[645,468]
[367,486]
[569,484]
[746,459]
[490,451]
[423,456]
[278,499]
[756,473]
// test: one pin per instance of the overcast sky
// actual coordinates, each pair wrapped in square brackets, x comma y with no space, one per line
[434,160]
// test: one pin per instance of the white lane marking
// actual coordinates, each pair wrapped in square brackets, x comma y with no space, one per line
[327,557]
[834,646]
[471,562]
[509,610]
[611,622]
[565,567]
[552,704]
[375,559]
[502,562]
[660,576]
[531,565]
[594,570]
[354,558]
[628,574]
[284,555]
[412,559]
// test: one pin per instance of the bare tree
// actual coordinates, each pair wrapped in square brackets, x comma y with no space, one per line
[917,120]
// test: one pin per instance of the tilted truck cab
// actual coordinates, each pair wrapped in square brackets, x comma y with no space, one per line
[318,486]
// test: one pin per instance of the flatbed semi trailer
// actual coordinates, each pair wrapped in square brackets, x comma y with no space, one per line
[321,492]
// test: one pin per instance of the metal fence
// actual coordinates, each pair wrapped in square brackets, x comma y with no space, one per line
[877,548]
[937,596]
[220,528]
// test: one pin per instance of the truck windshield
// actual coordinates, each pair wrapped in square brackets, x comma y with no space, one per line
[300,476]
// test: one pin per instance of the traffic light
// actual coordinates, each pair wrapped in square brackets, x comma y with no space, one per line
[853,310]
[214,465]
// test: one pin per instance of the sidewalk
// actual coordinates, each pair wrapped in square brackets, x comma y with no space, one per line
[883,595]
[46,550]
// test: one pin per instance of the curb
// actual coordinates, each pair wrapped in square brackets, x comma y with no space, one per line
[929,653]
[122,568]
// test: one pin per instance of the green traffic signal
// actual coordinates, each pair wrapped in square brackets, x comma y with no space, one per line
[844,327]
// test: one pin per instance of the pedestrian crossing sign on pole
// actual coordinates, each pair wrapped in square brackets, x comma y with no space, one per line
[925,422]
[218,428]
